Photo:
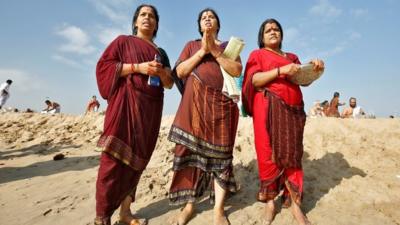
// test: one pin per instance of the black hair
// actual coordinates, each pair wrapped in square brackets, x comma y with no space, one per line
[9,81]
[352,98]
[324,103]
[261,32]
[199,19]
[47,102]
[136,15]
[336,94]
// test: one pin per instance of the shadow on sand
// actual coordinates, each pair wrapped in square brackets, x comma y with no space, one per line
[8,174]
[331,169]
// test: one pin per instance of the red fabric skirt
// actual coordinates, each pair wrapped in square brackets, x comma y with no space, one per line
[115,181]
[273,178]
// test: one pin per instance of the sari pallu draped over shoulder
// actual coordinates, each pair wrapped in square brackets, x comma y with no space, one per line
[134,111]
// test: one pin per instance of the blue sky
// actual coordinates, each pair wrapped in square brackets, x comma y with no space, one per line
[50,48]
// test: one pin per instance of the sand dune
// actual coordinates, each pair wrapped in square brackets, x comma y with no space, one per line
[352,172]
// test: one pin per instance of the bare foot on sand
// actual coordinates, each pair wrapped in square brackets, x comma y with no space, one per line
[220,218]
[129,219]
[298,215]
[269,213]
[184,215]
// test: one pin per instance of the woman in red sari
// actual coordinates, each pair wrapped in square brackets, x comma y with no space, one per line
[133,116]
[205,124]
[277,108]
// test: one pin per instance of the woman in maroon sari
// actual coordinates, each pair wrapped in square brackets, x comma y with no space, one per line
[133,115]
[205,124]
[277,108]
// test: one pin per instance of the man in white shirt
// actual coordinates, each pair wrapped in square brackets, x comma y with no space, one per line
[4,92]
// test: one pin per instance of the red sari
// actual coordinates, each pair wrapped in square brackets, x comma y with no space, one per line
[132,121]
[273,178]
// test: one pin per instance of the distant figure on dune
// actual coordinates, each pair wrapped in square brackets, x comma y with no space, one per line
[333,110]
[4,92]
[131,75]
[319,109]
[353,111]
[52,107]
[277,108]
[93,105]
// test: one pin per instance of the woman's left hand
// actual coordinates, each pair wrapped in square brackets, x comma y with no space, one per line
[318,64]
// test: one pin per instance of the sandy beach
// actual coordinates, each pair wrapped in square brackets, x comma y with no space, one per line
[352,173]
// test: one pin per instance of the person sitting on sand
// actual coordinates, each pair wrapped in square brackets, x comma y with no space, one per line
[93,105]
[52,107]
[316,110]
[353,111]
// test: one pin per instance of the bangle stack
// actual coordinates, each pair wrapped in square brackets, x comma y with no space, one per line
[134,67]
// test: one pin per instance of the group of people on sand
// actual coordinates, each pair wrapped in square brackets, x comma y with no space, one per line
[331,109]
[52,107]
[205,123]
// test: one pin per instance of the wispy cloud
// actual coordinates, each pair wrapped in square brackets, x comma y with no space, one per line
[354,35]
[291,34]
[325,9]
[67,61]
[359,13]
[77,41]
[106,35]
[115,10]
[22,80]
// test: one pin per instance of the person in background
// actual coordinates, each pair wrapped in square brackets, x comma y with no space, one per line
[4,92]
[93,105]
[52,107]
[333,110]
[353,111]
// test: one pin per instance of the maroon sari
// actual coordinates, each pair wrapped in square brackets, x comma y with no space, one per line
[204,130]
[131,124]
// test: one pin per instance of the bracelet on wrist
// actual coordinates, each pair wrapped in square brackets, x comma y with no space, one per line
[133,68]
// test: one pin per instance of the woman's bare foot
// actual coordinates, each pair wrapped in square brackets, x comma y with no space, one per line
[129,219]
[220,218]
[184,215]
[125,215]
[299,215]
[269,213]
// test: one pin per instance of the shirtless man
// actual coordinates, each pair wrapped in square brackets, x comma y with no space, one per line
[353,111]
[52,107]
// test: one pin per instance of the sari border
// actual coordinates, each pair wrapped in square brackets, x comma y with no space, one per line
[197,145]
[119,150]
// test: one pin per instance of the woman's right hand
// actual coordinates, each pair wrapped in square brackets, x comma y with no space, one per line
[290,69]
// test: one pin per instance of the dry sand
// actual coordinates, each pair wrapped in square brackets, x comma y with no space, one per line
[352,173]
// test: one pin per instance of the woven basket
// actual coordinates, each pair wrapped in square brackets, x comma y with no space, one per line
[305,75]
